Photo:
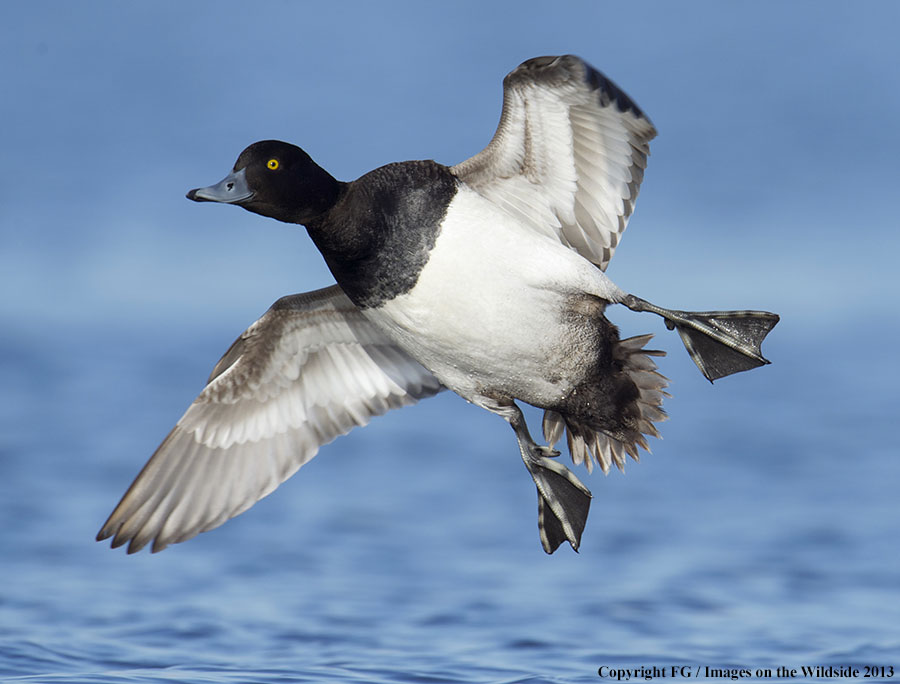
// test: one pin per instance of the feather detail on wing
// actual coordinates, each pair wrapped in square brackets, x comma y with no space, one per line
[568,156]
[311,369]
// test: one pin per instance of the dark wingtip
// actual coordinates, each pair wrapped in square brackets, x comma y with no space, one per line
[610,92]
[555,69]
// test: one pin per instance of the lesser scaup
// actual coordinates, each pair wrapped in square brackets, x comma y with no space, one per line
[486,278]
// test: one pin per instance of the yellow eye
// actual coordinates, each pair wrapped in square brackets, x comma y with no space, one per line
[273,164]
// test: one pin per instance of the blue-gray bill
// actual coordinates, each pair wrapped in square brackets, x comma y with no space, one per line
[230,190]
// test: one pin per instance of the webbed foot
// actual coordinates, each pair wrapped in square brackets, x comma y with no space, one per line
[719,342]
[563,501]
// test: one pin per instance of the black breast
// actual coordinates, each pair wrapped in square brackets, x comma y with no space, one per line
[377,237]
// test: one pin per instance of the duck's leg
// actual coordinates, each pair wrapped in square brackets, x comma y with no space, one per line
[719,342]
[563,501]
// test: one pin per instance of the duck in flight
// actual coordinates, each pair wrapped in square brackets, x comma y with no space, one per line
[486,278]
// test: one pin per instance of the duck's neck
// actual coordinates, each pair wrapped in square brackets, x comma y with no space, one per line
[319,198]
[345,236]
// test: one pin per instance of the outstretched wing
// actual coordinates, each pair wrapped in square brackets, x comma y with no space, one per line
[568,156]
[309,370]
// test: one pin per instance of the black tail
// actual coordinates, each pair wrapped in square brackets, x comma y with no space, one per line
[588,439]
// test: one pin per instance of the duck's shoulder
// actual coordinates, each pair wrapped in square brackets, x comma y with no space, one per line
[378,236]
[394,198]
[403,186]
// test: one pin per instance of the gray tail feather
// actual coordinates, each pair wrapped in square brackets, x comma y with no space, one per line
[587,445]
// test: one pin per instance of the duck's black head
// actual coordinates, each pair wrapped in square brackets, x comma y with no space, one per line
[275,179]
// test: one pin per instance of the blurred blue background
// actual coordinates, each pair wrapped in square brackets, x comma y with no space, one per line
[761,532]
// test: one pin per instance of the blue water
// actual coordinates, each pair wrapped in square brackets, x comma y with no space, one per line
[762,532]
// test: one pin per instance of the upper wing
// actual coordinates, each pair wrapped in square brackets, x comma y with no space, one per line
[309,370]
[568,156]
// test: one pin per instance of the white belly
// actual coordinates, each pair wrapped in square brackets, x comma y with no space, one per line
[488,312]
